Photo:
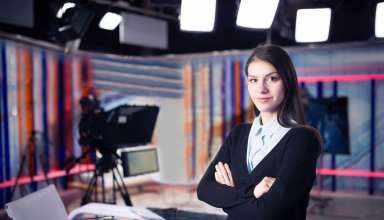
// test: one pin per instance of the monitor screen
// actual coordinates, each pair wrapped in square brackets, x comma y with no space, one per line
[129,126]
[17,12]
[330,117]
[138,162]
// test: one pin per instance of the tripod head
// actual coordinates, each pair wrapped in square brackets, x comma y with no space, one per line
[107,162]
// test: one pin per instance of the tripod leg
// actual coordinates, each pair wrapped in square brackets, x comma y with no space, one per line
[102,188]
[96,184]
[21,168]
[90,188]
[122,188]
[44,168]
[113,188]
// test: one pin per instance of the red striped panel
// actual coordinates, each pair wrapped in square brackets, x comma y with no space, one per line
[51,175]
[27,59]
[187,76]
[68,118]
[350,172]
[341,78]
[237,75]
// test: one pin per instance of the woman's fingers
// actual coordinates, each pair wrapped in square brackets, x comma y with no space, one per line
[269,181]
[226,166]
[220,175]
[218,178]
[223,174]
[264,186]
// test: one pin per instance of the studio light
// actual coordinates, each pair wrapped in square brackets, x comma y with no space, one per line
[110,21]
[312,25]
[72,24]
[197,15]
[256,13]
[379,21]
[65,7]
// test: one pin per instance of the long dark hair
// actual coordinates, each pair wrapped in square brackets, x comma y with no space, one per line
[291,107]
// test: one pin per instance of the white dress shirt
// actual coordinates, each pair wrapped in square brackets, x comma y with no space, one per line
[262,139]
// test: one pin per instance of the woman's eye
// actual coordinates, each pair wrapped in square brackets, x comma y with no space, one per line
[252,80]
[274,78]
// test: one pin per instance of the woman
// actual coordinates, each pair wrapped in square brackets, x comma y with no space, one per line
[265,170]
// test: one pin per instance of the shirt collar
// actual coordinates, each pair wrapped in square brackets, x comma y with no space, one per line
[269,128]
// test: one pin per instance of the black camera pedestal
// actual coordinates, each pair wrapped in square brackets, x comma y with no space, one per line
[107,163]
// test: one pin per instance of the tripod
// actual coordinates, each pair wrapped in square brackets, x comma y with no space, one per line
[108,162]
[34,142]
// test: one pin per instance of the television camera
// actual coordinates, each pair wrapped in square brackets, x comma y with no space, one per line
[107,131]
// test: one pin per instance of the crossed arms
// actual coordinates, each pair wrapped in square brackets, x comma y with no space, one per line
[271,197]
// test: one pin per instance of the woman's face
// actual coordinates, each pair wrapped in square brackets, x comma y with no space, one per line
[265,86]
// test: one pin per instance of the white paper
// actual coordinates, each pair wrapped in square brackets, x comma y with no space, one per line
[115,211]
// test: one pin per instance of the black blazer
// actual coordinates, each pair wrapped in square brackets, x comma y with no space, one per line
[292,162]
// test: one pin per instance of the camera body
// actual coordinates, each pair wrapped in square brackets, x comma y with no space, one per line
[91,123]
[120,127]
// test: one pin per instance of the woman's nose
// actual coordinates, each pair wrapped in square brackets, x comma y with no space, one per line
[261,86]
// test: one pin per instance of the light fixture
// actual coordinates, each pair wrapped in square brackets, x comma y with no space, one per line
[379,20]
[256,13]
[110,21]
[65,7]
[312,25]
[197,15]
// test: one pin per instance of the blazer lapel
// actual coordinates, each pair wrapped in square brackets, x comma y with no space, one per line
[264,162]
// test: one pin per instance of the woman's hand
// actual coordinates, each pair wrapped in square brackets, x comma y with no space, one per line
[263,186]
[223,174]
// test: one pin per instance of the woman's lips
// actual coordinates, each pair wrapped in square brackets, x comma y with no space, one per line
[263,99]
